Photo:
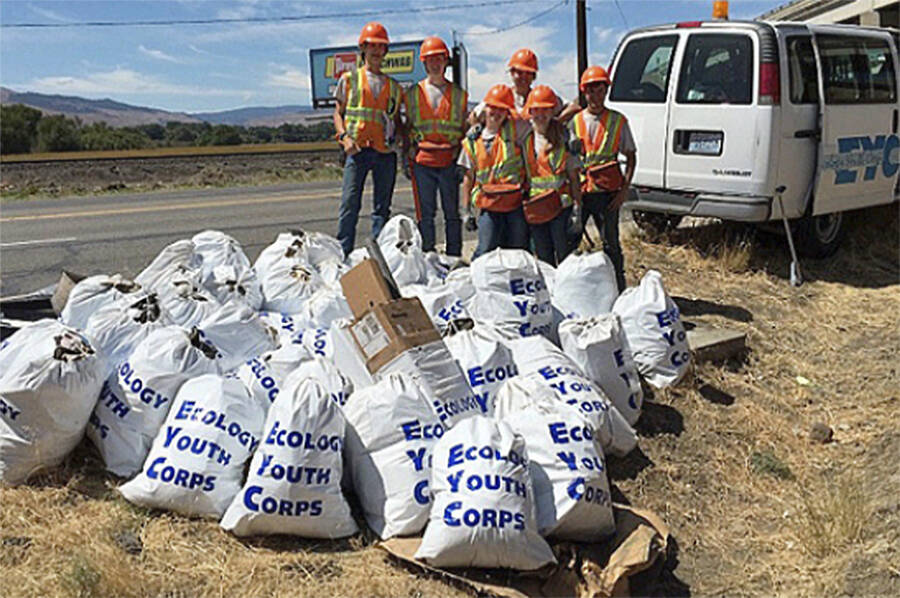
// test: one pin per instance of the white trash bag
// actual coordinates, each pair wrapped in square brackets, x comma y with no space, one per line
[238,333]
[49,380]
[652,324]
[568,472]
[325,306]
[91,294]
[288,284]
[440,301]
[229,283]
[599,346]
[317,341]
[484,512]
[136,399]
[585,285]
[459,280]
[294,484]
[310,248]
[542,364]
[391,433]
[178,256]
[511,294]
[115,330]
[401,246]
[336,384]
[219,249]
[432,366]
[197,460]
[184,300]
[486,361]
[264,376]
[289,327]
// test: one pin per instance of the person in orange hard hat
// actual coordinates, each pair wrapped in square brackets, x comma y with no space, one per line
[494,181]
[523,69]
[366,123]
[436,111]
[603,135]
[553,178]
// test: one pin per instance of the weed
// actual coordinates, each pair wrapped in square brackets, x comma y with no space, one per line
[82,578]
[833,515]
[766,463]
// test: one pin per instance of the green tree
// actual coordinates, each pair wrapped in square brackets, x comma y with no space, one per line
[18,128]
[58,134]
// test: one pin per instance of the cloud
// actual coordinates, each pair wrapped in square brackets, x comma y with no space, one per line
[289,77]
[158,54]
[49,14]
[120,82]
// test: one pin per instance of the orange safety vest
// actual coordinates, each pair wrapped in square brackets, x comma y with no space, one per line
[500,173]
[547,171]
[600,152]
[437,132]
[365,115]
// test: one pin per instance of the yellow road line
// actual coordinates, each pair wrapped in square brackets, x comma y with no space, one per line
[172,207]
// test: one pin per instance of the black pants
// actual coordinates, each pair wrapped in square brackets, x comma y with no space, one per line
[607,222]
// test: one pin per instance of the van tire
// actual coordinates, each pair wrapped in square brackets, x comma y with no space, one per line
[820,236]
[655,223]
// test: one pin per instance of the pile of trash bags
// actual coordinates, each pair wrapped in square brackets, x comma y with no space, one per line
[221,388]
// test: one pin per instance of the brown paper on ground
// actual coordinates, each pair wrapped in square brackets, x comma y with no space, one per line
[584,570]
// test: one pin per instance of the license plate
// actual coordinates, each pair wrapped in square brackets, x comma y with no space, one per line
[705,144]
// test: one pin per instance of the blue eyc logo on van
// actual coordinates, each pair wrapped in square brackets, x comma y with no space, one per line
[864,152]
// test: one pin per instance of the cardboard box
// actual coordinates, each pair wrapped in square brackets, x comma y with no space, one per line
[390,328]
[365,287]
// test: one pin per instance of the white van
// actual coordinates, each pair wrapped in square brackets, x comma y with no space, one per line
[727,115]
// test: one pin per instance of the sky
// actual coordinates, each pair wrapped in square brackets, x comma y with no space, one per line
[223,66]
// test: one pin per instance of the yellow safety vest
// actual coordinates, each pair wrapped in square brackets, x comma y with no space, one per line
[501,169]
[601,149]
[547,171]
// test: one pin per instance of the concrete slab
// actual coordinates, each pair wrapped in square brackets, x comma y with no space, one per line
[715,344]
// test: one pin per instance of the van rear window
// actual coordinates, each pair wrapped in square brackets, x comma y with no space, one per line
[857,70]
[642,74]
[716,69]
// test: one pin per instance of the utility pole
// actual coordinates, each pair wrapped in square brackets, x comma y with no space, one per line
[581,35]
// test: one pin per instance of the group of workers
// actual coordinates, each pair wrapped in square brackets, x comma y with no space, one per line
[535,168]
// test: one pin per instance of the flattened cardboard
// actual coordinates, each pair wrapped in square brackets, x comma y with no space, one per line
[365,287]
[584,570]
[67,282]
[389,329]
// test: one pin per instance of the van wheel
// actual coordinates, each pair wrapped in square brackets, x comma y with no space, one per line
[820,236]
[655,223]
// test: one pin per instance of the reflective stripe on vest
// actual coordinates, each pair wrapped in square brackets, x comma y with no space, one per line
[365,115]
[604,146]
[444,125]
[503,165]
[547,171]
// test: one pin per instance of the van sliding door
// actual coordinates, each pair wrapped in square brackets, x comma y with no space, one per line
[859,153]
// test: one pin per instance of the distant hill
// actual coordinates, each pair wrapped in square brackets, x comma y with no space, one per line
[118,114]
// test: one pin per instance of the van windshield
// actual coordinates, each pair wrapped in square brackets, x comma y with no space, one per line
[716,69]
[642,74]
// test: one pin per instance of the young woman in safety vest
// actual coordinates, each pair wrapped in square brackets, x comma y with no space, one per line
[603,135]
[366,122]
[553,183]
[494,181]
[523,69]
[436,111]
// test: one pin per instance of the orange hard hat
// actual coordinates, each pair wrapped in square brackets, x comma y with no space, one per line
[541,96]
[433,46]
[524,60]
[593,74]
[373,33]
[500,96]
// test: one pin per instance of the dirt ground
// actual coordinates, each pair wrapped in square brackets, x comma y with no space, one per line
[757,503]
[31,179]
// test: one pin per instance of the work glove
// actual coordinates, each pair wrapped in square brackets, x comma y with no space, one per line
[475,132]
[470,222]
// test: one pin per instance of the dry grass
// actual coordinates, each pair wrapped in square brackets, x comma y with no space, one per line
[165,152]
[756,507]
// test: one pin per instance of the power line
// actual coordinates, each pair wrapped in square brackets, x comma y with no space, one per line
[288,19]
[519,24]
[622,13]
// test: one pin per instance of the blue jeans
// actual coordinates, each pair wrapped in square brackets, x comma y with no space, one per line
[501,229]
[550,241]
[384,174]
[427,181]
[607,222]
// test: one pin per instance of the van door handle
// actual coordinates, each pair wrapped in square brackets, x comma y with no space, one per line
[895,122]
[807,133]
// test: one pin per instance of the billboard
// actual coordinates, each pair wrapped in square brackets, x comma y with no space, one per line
[327,64]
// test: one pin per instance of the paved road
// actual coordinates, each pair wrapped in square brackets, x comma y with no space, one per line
[122,233]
